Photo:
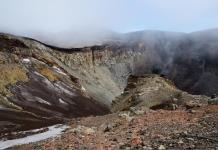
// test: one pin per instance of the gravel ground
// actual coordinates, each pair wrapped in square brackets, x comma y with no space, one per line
[196,128]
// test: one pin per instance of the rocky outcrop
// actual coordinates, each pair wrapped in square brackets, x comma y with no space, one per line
[153,91]
[57,83]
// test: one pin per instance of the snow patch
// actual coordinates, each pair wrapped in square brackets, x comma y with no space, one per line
[39,74]
[58,70]
[39,61]
[45,80]
[42,101]
[60,87]
[83,89]
[26,60]
[63,102]
[51,133]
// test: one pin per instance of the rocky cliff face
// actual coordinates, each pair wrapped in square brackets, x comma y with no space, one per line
[37,89]
[42,84]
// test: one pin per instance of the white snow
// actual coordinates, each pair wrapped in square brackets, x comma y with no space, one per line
[38,74]
[42,101]
[46,81]
[59,70]
[51,133]
[26,60]
[34,59]
[60,87]
[63,102]
[83,89]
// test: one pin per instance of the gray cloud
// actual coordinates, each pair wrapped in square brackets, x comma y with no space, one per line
[72,23]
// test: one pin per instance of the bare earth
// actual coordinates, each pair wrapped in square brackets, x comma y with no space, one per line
[195,128]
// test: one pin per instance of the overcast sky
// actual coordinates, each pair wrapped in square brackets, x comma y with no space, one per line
[56,16]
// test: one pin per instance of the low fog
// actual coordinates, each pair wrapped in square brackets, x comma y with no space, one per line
[67,23]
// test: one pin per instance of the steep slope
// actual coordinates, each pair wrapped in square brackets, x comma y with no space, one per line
[35,90]
[194,65]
